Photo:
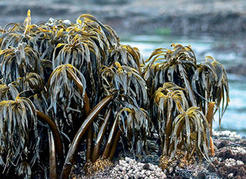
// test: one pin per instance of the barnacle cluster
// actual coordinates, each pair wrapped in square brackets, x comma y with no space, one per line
[76,87]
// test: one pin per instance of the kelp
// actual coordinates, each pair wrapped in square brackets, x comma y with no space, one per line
[127,56]
[18,122]
[193,88]
[126,81]
[135,125]
[171,100]
[75,87]
[210,84]
[16,62]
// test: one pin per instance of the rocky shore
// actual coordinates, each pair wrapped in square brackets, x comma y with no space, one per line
[229,162]
[221,17]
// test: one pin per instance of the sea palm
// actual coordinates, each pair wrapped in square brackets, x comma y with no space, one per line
[170,100]
[16,62]
[176,66]
[18,135]
[77,87]
[191,128]
[210,84]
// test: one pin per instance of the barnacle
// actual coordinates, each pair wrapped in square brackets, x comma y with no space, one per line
[181,160]
[98,165]
[76,87]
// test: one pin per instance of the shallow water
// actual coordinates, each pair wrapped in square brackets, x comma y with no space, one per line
[235,116]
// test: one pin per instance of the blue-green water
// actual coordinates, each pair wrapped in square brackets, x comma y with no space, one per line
[235,116]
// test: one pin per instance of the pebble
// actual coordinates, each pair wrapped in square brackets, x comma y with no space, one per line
[230,175]
[226,134]
[136,170]
[236,150]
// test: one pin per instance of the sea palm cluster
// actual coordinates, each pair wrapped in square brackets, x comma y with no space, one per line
[68,87]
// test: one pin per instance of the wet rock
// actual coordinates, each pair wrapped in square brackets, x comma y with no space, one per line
[230,175]
[230,157]
[228,162]
[238,69]
[146,166]
[222,144]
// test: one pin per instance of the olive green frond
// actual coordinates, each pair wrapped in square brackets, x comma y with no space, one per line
[8,92]
[135,125]
[190,128]
[126,81]
[90,23]
[170,101]
[16,62]
[67,91]
[176,66]
[32,81]
[127,56]
[18,133]
[210,84]
[10,39]
[86,57]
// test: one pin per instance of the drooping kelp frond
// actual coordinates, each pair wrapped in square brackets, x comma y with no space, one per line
[31,86]
[94,38]
[85,55]
[179,52]
[87,47]
[135,125]
[16,62]
[12,27]
[67,92]
[43,40]
[127,56]
[10,39]
[170,101]
[210,84]
[171,57]
[18,135]
[174,93]
[125,81]
[44,37]
[89,23]
[76,52]
[177,66]
[8,92]
[190,132]
[199,83]
[31,81]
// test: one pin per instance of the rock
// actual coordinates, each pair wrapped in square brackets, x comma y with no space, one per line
[121,162]
[163,175]
[147,173]
[128,160]
[239,162]
[152,167]
[228,162]
[170,170]
[126,177]
[146,166]
[230,175]
[238,69]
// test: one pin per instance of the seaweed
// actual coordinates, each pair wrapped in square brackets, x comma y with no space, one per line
[77,88]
